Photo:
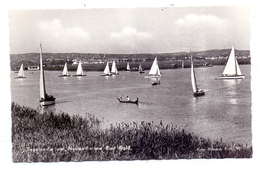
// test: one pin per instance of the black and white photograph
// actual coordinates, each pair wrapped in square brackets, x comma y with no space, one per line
[148,83]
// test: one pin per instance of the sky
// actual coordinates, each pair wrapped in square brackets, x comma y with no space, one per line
[130,30]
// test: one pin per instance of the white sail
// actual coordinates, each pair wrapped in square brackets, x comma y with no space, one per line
[42,80]
[114,69]
[140,68]
[21,71]
[238,69]
[155,71]
[193,78]
[106,70]
[79,69]
[128,67]
[65,70]
[230,68]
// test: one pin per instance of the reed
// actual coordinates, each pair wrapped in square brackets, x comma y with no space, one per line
[53,137]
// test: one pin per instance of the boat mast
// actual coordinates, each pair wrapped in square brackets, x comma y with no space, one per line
[194,82]
[235,60]
[42,79]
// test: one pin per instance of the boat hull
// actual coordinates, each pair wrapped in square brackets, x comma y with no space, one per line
[114,73]
[199,93]
[155,76]
[78,75]
[230,77]
[47,102]
[19,77]
[64,76]
[155,83]
[127,101]
[106,75]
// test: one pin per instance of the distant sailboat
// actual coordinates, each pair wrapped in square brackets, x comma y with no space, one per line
[65,72]
[182,63]
[232,70]
[45,99]
[140,69]
[196,91]
[128,67]
[114,70]
[21,72]
[106,71]
[79,70]
[154,71]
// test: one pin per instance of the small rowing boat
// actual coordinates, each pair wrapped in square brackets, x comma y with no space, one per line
[127,101]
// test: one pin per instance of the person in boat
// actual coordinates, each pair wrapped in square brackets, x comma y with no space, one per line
[199,91]
[128,98]
[48,98]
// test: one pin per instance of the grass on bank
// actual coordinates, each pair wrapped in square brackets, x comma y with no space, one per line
[53,137]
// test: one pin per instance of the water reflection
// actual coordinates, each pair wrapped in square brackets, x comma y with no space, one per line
[230,90]
[43,109]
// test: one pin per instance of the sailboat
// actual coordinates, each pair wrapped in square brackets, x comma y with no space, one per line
[65,72]
[114,70]
[182,63]
[45,99]
[232,70]
[79,70]
[21,72]
[128,67]
[140,69]
[196,91]
[106,71]
[154,71]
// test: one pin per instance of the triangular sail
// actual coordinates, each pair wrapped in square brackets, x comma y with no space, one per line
[106,70]
[231,66]
[128,66]
[65,70]
[21,71]
[238,69]
[114,69]
[42,80]
[140,68]
[79,69]
[155,68]
[193,77]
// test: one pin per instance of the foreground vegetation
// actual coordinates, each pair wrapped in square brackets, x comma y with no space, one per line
[52,137]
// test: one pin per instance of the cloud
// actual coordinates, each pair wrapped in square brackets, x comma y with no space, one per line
[192,19]
[56,29]
[70,38]
[130,33]
[130,39]
[201,32]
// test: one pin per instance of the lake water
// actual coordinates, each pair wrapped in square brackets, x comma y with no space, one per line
[224,112]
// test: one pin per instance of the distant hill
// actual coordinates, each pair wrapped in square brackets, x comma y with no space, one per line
[32,59]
